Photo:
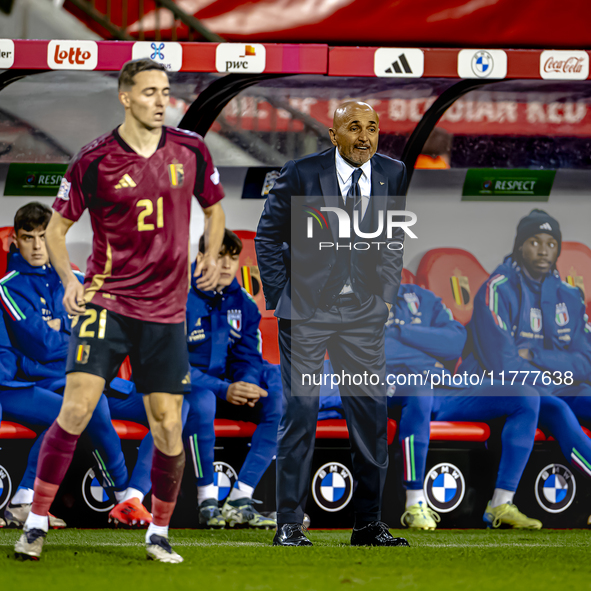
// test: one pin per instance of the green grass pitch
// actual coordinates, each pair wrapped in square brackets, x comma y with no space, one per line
[244,560]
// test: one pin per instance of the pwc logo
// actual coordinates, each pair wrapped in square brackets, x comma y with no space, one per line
[72,55]
[240,57]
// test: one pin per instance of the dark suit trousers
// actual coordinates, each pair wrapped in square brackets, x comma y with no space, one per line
[353,334]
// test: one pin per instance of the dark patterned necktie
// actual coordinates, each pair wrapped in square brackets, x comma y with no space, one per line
[354,194]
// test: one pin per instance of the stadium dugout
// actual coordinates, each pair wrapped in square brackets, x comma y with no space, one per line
[519,122]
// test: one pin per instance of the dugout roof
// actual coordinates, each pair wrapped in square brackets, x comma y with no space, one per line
[271,102]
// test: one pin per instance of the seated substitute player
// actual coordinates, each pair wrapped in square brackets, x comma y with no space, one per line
[527,320]
[419,339]
[226,364]
[137,182]
[31,294]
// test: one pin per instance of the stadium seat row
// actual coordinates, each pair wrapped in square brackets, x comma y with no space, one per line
[453,274]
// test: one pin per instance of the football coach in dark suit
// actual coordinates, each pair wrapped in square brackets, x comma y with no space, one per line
[335,299]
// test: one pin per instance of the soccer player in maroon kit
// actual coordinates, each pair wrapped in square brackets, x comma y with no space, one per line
[137,183]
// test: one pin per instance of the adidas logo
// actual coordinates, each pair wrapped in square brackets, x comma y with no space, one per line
[126,182]
[395,67]
[546,226]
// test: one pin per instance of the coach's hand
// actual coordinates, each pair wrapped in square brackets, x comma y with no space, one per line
[207,266]
[74,297]
[241,393]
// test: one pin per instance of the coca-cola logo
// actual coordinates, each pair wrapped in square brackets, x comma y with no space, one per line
[564,65]
[572,65]
[72,55]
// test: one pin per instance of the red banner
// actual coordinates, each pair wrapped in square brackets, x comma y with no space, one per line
[452,23]
[400,115]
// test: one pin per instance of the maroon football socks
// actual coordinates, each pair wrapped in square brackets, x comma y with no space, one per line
[54,460]
[167,475]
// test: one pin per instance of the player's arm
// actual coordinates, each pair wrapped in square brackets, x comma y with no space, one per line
[399,353]
[391,260]
[491,328]
[273,230]
[445,338]
[215,223]
[201,379]
[245,361]
[55,239]
[32,335]
[576,358]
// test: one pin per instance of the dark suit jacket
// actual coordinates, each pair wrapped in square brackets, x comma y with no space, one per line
[295,290]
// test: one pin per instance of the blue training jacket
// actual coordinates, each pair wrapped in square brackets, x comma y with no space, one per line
[512,312]
[30,297]
[223,338]
[421,333]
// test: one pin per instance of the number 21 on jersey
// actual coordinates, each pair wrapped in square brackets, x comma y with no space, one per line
[147,211]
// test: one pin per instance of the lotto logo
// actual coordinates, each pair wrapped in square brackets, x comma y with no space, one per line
[72,55]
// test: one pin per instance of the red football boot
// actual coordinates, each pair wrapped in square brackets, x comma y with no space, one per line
[130,512]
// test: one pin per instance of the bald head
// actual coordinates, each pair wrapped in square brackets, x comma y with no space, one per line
[354,131]
[350,109]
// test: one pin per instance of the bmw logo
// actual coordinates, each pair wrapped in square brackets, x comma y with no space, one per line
[5,486]
[482,64]
[224,477]
[332,487]
[95,496]
[444,487]
[555,488]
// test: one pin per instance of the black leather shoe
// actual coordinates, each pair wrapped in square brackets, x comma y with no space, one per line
[291,534]
[375,534]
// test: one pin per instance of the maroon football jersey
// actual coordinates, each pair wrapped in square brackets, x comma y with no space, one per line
[140,213]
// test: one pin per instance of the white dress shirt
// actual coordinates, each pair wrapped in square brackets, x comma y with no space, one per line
[344,176]
[345,172]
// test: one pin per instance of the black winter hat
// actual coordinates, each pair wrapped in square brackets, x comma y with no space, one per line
[537,222]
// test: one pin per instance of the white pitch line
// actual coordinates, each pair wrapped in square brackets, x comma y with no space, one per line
[180,543]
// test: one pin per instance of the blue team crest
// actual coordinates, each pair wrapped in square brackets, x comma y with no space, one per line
[535,318]
[412,301]
[561,314]
[235,319]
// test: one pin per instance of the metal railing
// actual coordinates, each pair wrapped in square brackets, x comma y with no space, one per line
[119,30]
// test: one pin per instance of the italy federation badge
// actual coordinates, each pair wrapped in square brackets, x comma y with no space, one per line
[561,314]
[535,318]
[235,319]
